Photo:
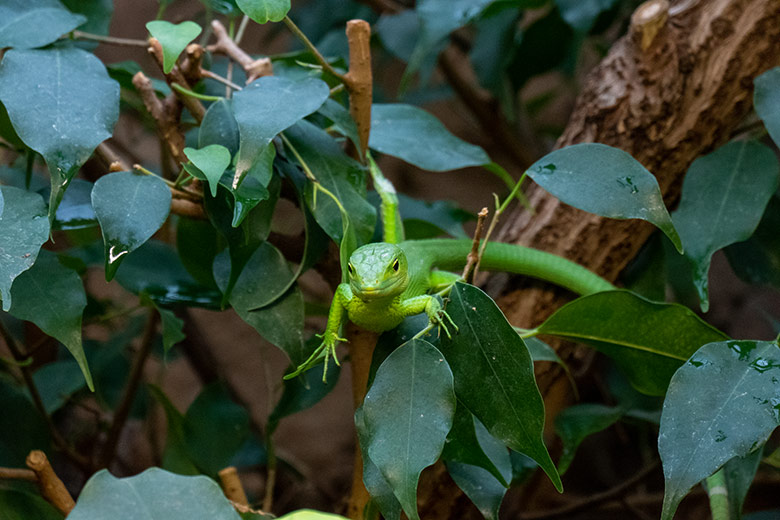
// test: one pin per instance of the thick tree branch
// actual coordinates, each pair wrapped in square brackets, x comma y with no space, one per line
[50,485]
[254,68]
[359,80]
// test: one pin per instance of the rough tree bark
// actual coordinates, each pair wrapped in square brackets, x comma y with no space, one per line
[672,89]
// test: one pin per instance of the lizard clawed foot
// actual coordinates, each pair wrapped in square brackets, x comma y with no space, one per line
[442,314]
[326,350]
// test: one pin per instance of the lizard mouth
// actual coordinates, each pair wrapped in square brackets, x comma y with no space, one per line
[373,293]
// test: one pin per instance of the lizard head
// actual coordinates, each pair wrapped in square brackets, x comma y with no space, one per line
[378,271]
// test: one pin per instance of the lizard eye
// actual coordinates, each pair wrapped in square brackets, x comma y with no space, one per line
[350,268]
[396,265]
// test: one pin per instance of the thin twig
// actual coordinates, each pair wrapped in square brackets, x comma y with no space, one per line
[595,499]
[18,474]
[500,208]
[20,356]
[472,260]
[216,77]
[254,68]
[109,40]
[241,28]
[122,411]
[310,46]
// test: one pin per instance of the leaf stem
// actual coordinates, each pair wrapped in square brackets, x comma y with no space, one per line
[310,46]
[526,333]
[719,495]
[141,169]
[191,93]
[216,77]
[109,40]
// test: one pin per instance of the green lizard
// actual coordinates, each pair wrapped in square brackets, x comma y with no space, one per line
[388,281]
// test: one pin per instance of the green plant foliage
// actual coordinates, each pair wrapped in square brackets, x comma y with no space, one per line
[265,277]
[480,486]
[582,14]
[494,372]
[606,181]
[417,137]
[219,126]
[18,505]
[154,494]
[49,18]
[766,98]
[430,219]
[659,339]
[308,514]
[23,230]
[26,435]
[75,211]
[407,412]
[262,11]
[208,163]
[382,495]
[65,117]
[56,382]
[172,325]
[739,473]
[723,197]
[269,105]
[721,404]
[173,39]
[757,259]
[577,422]
[52,296]
[146,202]
[97,12]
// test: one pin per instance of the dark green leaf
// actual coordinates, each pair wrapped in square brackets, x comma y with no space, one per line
[252,188]
[262,11]
[173,38]
[27,25]
[98,13]
[264,278]
[23,230]
[645,274]
[211,161]
[490,53]
[17,505]
[29,431]
[269,105]
[541,351]
[429,219]
[214,416]
[175,456]
[197,243]
[582,14]
[399,33]
[65,117]
[577,422]
[343,176]
[75,211]
[219,126]
[149,495]
[463,446]
[52,296]
[172,326]
[723,197]
[606,181]
[56,382]
[766,99]
[408,411]
[130,209]
[546,44]
[417,137]
[723,403]
[342,120]
[647,340]
[739,473]
[757,259]
[494,372]
[381,492]
[308,514]
[480,486]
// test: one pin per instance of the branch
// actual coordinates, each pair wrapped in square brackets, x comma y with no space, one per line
[109,40]
[122,411]
[359,81]
[175,76]
[254,68]
[231,486]
[469,272]
[50,485]
[18,474]
[165,114]
[310,46]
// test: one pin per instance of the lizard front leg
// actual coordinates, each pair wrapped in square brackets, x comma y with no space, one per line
[429,304]
[331,335]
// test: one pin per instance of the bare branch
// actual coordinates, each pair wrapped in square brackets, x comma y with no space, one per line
[50,485]
[254,68]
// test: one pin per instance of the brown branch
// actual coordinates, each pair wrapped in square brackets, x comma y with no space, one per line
[50,485]
[122,411]
[177,76]
[359,81]
[18,474]
[254,68]
[469,272]
[595,499]
[166,115]
[109,40]
[231,486]
[192,62]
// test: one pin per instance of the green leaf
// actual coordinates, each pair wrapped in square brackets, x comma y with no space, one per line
[582,14]
[342,120]
[29,430]
[269,105]
[18,505]
[408,411]
[175,456]
[417,137]
[26,25]
[197,243]
[766,99]
[219,126]
[23,230]
[210,161]
[757,259]
[381,493]
[579,421]
[172,326]
[480,486]
[262,11]
[723,197]
[65,117]
[149,495]
[308,514]
[130,209]
[52,296]
[606,181]
[264,278]
[98,13]
[647,340]
[541,351]
[253,186]
[739,473]
[173,38]
[56,382]
[723,403]
[342,176]
[494,372]
[75,211]
[214,416]
[424,219]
